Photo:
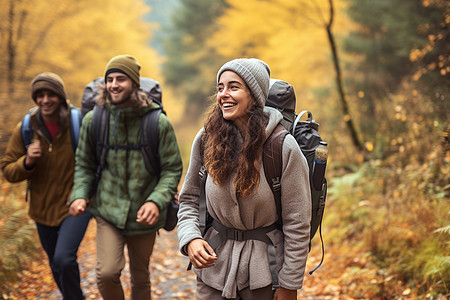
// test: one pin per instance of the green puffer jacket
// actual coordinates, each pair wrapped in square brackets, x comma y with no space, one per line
[125,183]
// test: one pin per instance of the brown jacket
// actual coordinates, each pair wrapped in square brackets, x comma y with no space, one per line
[51,178]
[244,264]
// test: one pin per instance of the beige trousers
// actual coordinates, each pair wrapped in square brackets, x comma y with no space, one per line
[111,261]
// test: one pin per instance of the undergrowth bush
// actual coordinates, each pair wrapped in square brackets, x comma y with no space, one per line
[400,215]
[18,241]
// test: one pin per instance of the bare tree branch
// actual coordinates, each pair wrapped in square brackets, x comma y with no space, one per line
[342,96]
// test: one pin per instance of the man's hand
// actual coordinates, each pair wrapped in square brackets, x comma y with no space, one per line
[77,207]
[33,153]
[201,254]
[148,214]
[285,294]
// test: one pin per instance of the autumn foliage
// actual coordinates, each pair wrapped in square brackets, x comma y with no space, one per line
[386,226]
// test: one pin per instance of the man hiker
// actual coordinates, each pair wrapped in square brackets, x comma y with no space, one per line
[47,161]
[130,202]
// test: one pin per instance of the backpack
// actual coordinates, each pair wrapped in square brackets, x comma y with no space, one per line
[282,97]
[27,132]
[149,136]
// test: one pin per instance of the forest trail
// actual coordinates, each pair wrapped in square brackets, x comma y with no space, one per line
[171,281]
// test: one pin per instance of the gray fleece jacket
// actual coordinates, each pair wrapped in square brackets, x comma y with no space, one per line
[244,264]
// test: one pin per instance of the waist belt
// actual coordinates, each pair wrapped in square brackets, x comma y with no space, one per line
[260,234]
[227,233]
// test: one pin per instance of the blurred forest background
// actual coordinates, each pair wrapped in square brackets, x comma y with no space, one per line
[375,74]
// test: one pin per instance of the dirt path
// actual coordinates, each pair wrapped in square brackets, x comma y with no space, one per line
[344,275]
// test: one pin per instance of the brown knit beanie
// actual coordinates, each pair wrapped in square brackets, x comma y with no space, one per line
[50,82]
[126,64]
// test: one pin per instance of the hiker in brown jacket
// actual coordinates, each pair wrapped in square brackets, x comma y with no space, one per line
[48,165]
[238,196]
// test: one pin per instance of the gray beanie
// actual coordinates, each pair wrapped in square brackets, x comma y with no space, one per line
[254,72]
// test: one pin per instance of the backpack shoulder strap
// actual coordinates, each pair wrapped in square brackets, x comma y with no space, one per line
[272,162]
[99,137]
[26,130]
[150,141]
[75,124]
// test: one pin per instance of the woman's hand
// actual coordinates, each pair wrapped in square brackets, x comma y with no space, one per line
[285,294]
[201,254]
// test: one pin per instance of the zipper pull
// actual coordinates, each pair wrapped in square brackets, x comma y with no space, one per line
[50,148]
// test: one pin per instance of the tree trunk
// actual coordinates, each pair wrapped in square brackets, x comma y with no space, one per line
[11,50]
[348,120]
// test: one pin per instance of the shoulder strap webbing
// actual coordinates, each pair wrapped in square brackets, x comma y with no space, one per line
[27,131]
[150,141]
[99,137]
[75,124]
[205,219]
[272,162]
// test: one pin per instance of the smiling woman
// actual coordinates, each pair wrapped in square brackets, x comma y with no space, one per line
[230,148]
[234,98]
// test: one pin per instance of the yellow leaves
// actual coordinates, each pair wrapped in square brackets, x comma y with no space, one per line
[76,39]
[347,118]
[361,94]
[288,35]
[417,54]
[369,146]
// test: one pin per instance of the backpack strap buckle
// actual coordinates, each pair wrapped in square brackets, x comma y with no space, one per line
[276,184]
[202,172]
[238,235]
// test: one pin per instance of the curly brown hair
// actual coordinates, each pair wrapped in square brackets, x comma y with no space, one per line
[223,153]
[138,98]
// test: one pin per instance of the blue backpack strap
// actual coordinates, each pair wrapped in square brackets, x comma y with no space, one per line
[75,124]
[26,131]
